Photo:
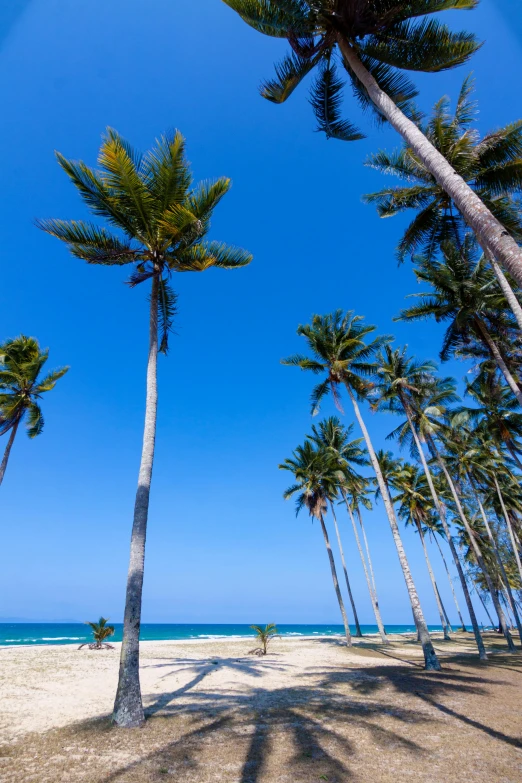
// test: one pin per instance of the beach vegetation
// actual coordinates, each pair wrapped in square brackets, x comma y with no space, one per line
[264,636]
[101,631]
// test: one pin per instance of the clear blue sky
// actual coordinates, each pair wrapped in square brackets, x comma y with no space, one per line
[222,546]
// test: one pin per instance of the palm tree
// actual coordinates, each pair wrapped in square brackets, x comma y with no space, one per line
[416,508]
[408,387]
[21,388]
[464,293]
[377,39]
[460,458]
[331,435]
[161,222]
[435,530]
[264,636]
[317,475]
[100,631]
[338,345]
[491,166]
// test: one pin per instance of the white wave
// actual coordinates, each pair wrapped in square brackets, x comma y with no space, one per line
[61,638]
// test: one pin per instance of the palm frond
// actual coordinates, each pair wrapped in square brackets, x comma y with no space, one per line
[89,242]
[167,310]
[326,100]
[289,73]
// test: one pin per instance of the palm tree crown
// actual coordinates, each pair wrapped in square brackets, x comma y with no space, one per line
[160,218]
[21,387]
[491,166]
[386,36]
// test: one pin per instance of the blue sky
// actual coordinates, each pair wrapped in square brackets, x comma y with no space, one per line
[222,545]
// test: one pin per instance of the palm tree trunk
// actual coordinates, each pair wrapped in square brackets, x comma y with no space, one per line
[507,586]
[430,656]
[499,359]
[450,629]
[367,549]
[508,292]
[336,582]
[486,610]
[483,568]
[434,585]
[490,232]
[472,616]
[128,707]
[462,625]
[509,526]
[373,595]
[8,448]
[358,631]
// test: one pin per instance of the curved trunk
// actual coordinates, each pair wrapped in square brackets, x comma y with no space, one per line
[456,559]
[128,707]
[434,585]
[373,595]
[499,359]
[336,582]
[8,448]
[509,527]
[508,292]
[430,656]
[358,631]
[462,624]
[490,232]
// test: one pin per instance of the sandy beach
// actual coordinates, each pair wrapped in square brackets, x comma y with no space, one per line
[311,710]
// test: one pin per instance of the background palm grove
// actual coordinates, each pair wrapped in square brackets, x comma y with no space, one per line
[229,412]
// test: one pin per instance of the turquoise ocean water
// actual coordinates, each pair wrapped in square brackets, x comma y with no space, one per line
[76,633]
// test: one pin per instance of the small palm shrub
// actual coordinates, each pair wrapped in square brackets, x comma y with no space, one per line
[264,636]
[100,632]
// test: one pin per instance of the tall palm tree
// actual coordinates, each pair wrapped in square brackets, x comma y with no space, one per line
[405,386]
[156,222]
[416,508]
[316,482]
[333,436]
[459,458]
[21,388]
[435,531]
[373,40]
[465,294]
[340,351]
[330,435]
[491,166]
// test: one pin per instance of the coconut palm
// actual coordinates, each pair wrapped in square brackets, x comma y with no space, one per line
[21,388]
[435,531]
[157,223]
[416,508]
[316,475]
[491,166]
[465,294]
[100,631]
[264,636]
[460,459]
[340,351]
[409,387]
[333,436]
[372,41]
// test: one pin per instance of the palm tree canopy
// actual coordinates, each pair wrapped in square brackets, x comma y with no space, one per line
[317,476]
[413,496]
[337,342]
[463,291]
[491,166]
[101,630]
[386,35]
[398,379]
[156,219]
[21,385]
[333,436]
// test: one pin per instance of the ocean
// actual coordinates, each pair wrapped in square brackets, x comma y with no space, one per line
[76,633]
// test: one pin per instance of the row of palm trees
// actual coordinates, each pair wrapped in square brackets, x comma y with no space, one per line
[465,474]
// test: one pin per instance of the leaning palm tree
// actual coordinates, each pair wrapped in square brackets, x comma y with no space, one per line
[100,632]
[21,388]
[333,436]
[491,166]
[340,351]
[465,295]
[317,476]
[373,40]
[416,509]
[156,222]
